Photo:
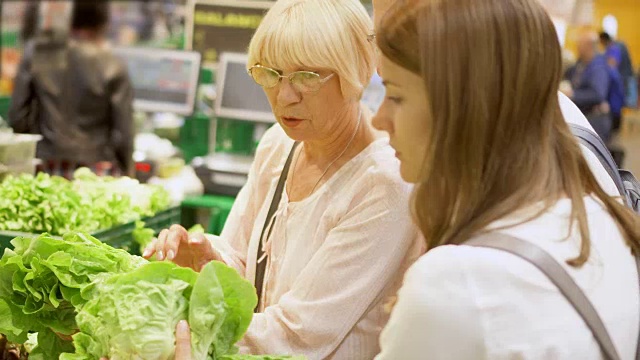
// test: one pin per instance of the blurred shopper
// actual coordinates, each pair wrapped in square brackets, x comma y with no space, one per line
[77,95]
[618,57]
[520,174]
[597,89]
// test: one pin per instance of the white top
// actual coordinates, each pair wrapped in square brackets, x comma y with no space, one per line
[463,302]
[573,115]
[335,257]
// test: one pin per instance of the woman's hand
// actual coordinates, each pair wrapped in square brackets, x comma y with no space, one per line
[183,342]
[184,249]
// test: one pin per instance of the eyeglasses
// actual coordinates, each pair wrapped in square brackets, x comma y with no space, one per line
[302,81]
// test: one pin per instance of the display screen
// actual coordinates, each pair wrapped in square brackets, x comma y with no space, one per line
[241,92]
[162,80]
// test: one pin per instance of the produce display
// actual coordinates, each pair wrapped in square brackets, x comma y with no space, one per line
[85,299]
[54,205]
[144,199]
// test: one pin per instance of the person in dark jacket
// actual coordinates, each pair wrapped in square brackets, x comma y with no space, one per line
[617,55]
[618,58]
[77,94]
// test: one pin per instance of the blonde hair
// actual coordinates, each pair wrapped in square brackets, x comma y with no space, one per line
[497,141]
[322,34]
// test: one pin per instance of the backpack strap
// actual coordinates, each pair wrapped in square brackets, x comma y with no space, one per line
[595,144]
[561,279]
[632,186]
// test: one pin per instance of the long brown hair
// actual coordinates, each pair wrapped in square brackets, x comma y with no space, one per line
[498,140]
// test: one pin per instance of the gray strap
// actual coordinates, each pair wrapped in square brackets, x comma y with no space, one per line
[595,144]
[632,187]
[559,277]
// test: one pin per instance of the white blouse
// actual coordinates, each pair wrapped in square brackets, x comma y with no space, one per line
[463,302]
[573,115]
[334,258]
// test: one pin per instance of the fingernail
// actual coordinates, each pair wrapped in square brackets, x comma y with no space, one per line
[183,326]
[195,240]
[170,255]
[146,252]
[160,255]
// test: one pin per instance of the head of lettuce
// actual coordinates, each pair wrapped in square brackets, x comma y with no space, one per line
[118,305]
[133,315]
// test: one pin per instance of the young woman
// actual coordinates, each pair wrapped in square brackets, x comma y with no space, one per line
[473,113]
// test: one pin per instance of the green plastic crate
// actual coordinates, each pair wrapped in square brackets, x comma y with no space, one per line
[7,236]
[5,102]
[194,136]
[210,211]
[120,236]
[207,76]
[235,137]
[10,39]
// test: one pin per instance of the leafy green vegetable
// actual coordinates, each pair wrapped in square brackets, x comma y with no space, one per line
[42,283]
[11,324]
[142,235]
[117,305]
[240,300]
[197,228]
[52,204]
[49,346]
[133,315]
[31,343]
[41,204]
[145,200]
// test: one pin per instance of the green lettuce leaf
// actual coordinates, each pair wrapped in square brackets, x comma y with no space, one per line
[142,235]
[50,346]
[42,281]
[240,300]
[197,228]
[145,331]
[143,199]
[133,315]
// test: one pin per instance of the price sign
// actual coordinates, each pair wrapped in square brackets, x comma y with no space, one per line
[220,26]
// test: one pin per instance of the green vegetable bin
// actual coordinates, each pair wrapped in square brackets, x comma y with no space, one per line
[207,209]
[194,136]
[119,236]
[5,103]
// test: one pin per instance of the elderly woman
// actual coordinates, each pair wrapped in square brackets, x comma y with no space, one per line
[341,235]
